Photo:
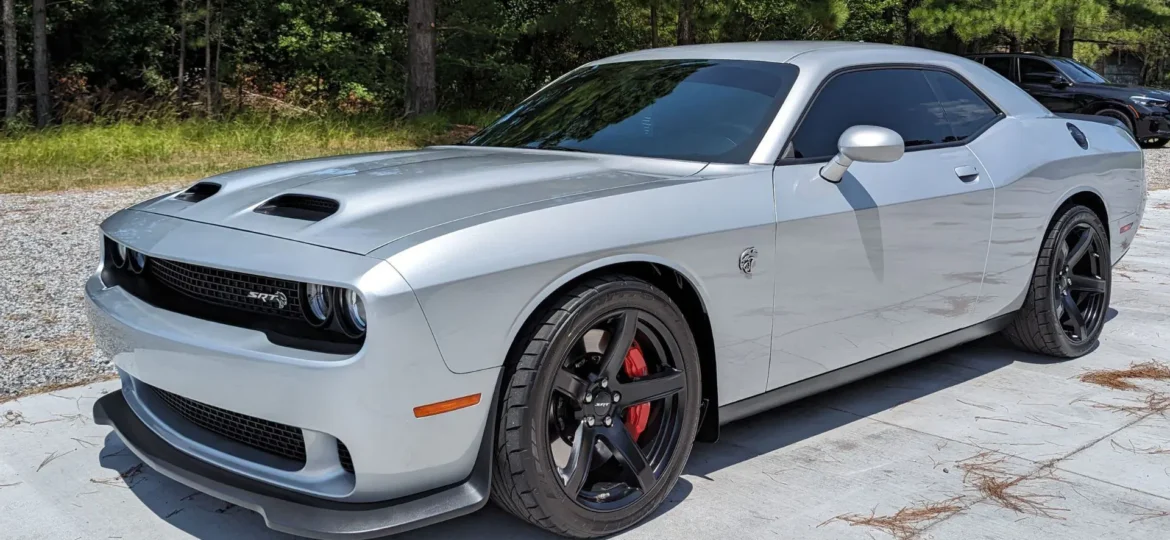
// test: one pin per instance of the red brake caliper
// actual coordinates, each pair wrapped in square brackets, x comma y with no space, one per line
[639,415]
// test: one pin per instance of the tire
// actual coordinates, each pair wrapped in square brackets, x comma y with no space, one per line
[1045,324]
[1114,113]
[1154,143]
[552,361]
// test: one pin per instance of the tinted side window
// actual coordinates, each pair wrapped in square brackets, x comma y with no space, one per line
[1036,71]
[999,64]
[897,99]
[965,111]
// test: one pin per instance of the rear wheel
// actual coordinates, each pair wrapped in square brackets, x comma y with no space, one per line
[1068,297]
[600,410]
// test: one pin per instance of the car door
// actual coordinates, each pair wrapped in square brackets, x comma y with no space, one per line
[1036,78]
[894,254]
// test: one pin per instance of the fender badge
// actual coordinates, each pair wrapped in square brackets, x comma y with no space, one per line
[747,260]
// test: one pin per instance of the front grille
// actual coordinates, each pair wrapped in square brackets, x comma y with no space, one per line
[231,289]
[271,437]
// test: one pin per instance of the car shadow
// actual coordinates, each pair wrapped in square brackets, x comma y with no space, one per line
[202,516]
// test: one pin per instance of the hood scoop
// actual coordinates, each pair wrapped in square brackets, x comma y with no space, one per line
[198,192]
[304,207]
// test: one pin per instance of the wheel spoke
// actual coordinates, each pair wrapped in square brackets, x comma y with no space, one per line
[1080,248]
[570,385]
[580,460]
[621,337]
[1074,314]
[653,387]
[1086,283]
[628,453]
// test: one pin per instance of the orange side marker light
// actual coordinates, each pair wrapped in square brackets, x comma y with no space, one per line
[423,411]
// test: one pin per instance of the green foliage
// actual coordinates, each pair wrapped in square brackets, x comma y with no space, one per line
[73,156]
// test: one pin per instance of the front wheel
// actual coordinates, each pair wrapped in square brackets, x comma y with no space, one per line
[1068,296]
[1124,118]
[1154,143]
[600,409]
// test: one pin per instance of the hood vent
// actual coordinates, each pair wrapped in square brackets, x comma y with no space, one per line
[306,207]
[198,192]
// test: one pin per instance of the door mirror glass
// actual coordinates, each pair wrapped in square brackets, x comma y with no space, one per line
[1060,81]
[867,144]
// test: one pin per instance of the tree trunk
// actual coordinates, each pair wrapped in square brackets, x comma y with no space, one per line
[10,102]
[420,75]
[653,23]
[686,22]
[207,58]
[1015,45]
[41,65]
[909,35]
[1067,35]
[218,101]
[182,50]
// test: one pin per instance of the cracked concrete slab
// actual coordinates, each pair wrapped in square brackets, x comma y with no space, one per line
[816,469]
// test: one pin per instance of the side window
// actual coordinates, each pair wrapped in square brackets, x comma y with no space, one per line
[966,111]
[897,99]
[999,64]
[1036,71]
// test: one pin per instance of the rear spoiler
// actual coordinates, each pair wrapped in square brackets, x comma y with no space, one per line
[1093,118]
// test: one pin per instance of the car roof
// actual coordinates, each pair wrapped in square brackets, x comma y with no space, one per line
[769,51]
[1019,54]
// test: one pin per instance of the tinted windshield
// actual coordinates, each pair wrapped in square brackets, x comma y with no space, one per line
[699,110]
[1077,71]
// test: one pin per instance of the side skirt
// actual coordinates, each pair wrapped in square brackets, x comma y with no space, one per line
[842,376]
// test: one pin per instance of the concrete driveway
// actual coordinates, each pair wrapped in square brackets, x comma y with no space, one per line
[979,442]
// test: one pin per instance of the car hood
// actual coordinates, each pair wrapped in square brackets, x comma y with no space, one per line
[387,196]
[1126,90]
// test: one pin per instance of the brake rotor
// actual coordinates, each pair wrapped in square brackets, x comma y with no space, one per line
[638,416]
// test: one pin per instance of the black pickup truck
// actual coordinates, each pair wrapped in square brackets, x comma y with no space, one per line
[1067,86]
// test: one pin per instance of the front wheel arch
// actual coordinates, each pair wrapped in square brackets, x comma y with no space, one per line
[684,289]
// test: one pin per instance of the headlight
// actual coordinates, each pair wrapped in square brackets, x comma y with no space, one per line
[115,252]
[355,312]
[136,259]
[318,303]
[1149,101]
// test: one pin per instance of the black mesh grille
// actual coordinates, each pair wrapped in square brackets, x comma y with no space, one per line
[230,289]
[343,456]
[271,437]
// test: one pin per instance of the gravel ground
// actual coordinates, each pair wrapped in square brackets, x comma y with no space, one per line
[48,245]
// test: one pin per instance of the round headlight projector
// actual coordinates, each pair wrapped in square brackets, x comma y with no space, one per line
[318,303]
[355,311]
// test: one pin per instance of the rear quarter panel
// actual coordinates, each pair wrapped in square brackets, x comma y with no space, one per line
[1036,166]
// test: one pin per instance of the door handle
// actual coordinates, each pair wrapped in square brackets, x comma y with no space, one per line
[967,173]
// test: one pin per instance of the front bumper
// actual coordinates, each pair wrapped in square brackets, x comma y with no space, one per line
[1153,126]
[292,512]
[365,400]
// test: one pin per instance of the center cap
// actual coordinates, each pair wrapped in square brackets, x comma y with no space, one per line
[602,403]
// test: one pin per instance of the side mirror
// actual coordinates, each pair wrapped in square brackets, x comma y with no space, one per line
[867,144]
[1059,81]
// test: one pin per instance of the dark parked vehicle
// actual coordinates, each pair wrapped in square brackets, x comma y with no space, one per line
[1067,86]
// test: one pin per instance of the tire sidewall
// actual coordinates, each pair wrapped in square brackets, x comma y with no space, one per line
[549,493]
[1112,113]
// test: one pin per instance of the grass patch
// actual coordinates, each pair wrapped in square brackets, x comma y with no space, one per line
[119,154]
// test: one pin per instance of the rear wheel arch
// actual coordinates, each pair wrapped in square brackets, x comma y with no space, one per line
[681,286]
[1089,199]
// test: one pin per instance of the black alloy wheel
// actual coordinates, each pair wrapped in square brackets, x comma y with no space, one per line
[1080,300]
[601,410]
[1067,300]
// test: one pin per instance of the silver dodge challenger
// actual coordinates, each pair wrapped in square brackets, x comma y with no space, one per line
[551,313]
